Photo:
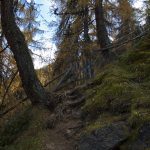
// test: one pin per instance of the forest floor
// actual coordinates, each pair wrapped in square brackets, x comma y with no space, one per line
[62,137]
[63,128]
[118,98]
[37,128]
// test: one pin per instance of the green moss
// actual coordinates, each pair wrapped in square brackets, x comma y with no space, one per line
[25,131]
[138,117]
[113,94]
[135,56]
[103,120]
[15,127]
[138,64]
[98,79]
[141,99]
[122,88]
[28,143]
[136,120]
[144,43]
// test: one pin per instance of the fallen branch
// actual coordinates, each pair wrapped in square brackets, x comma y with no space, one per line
[76,102]
[13,107]
[76,127]
[64,78]
[54,79]
[68,13]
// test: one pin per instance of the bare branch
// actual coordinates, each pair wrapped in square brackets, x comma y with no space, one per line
[7,89]
[13,107]
[54,79]
[26,98]
[80,12]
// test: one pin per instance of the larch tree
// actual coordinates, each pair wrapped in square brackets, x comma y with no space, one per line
[126,20]
[73,33]
[86,52]
[102,34]
[85,23]
[16,40]
[67,35]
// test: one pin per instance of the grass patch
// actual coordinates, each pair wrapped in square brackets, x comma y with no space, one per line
[122,88]
[25,131]
[15,127]
[101,121]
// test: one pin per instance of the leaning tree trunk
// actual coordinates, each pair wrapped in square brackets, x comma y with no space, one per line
[102,33]
[18,45]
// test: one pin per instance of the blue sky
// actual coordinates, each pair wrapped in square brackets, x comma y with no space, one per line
[47,36]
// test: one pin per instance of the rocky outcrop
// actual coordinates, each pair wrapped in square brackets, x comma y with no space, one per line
[106,138]
[142,141]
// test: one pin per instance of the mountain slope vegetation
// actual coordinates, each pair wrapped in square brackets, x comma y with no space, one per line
[120,93]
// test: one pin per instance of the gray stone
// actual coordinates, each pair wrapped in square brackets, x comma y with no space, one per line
[106,138]
[143,140]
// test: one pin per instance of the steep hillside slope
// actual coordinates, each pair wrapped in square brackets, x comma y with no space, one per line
[109,113]
[121,94]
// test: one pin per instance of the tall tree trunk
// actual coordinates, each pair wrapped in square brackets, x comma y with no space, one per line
[86,24]
[88,70]
[16,40]
[102,34]
[1,60]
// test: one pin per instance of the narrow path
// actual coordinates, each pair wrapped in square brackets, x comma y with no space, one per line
[65,132]
[61,137]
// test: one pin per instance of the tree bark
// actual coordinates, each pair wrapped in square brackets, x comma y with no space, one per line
[32,86]
[88,69]
[1,60]
[85,24]
[102,34]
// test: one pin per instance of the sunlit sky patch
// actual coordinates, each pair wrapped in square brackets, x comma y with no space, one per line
[138,3]
[48,46]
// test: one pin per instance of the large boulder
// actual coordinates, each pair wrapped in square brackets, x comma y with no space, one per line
[142,141]
[105,138]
